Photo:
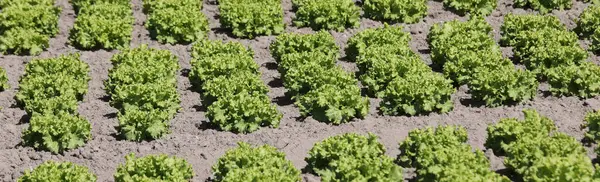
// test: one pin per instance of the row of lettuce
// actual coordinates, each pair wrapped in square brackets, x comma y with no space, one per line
[142,85]
[108,24]
[532,147]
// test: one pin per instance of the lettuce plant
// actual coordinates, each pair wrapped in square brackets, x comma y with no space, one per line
[327,14]
[406,11]
[442,154]
[243,113]
[8,3]
[461,47]
[502,84]
[589,20]
[236,83]
[417,94]
[528,155]
[350,157]
[547,48]
[380,65]
[154,168]
[376,37]
[143,88]
[545,6]
[103,26]
[3,80]
[476,7]
[58,171]
[509,130]
[208,48]
[332,104]
[295,60]
[142,65]
[575,80]
[57,132]
[263,163]
[592,122]
[176,21]
[515,24]
[288,43]
[26,26]
[251,18]
[80,4]
[53,85]
[210,67]
[309,76]
[595,41]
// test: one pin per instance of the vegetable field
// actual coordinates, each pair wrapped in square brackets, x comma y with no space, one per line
[301,90]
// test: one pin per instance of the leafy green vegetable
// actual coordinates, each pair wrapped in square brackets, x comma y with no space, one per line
[420,142]
[514,24]
[142,65]
[176,21]
[3,80]
[330,103]
[250,18]
[536,152]
[210,67]
[548,48]
[545,6]
[80,4]
[569,168]
[53,85]
[289,43]
[502,84]
[26,26]
[579,80]
[41,18]
[8,3]
[527,154]
[58,171]
[154,168]
[376,37]
[327,14]
[236,83]
[441,154]
[509,130]
[243,113]
[461,47]
[416,94]
[142,86]
[292,61]
[309,76]
[476,7]
[589,20]
[103,26]
[592,122]
[350,157]
[208,48]
[380,65]
[406,11]
[595,41]
[246,163]
[57,132]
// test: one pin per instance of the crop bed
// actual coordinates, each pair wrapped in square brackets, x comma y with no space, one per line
[201,144]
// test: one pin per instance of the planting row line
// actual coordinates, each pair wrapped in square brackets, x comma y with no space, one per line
[533,149]
[142,85]
[307,64]
[228,79]
[107,24]
[49,91]
[392,71]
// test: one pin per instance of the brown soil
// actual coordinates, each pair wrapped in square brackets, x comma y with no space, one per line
[202,146]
